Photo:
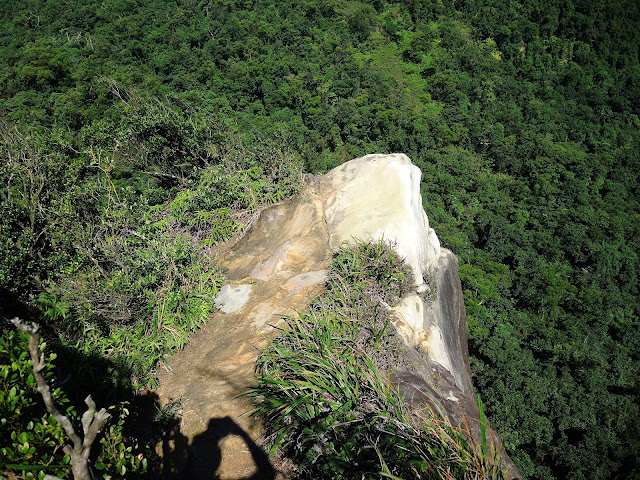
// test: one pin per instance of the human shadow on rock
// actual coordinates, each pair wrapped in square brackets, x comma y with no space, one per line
[175,450]
[205,455]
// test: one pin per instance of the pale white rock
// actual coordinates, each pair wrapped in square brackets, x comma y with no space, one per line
[264,269]
[434,242]
[436,348]
[409,318]
[452,397]
[378,196]
[232,298]
[294,284]
[265,313]
[280,266]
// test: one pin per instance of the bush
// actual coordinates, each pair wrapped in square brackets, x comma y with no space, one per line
[30,435]
[120,255]
[34,439]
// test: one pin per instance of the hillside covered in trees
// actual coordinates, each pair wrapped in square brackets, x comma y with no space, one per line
[136,136]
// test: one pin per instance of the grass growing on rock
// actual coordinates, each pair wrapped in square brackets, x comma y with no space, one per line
[323,385]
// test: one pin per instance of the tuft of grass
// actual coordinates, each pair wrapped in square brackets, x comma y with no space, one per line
[323,388]
[372,270]
[168,415]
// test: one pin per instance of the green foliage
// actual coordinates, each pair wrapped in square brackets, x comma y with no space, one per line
[323,388]
[132,245]
[34,439]
[30,435]
[117,458]
[39,179]
[522,116]
[371,269]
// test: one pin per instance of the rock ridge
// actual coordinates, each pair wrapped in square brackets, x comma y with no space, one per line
[279,267]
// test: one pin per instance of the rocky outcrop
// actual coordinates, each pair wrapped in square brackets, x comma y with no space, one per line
[280,266]
[378,196]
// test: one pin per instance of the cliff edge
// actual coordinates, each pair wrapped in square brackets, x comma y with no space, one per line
[278,268]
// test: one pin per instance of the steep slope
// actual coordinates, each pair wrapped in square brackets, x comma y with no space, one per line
[277,269]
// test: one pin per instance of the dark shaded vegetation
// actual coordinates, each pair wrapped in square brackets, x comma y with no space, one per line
[33,439]
[134,140]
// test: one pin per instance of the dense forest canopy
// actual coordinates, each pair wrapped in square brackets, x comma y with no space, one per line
[134,134]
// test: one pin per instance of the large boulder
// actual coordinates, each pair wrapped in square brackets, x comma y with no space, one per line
[280,266]
[378,197]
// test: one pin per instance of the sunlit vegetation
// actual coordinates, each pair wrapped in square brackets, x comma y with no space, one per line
[137,136]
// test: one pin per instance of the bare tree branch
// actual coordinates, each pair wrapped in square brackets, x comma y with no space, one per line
[92,421]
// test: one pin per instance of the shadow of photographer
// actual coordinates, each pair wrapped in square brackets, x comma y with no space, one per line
[202,458]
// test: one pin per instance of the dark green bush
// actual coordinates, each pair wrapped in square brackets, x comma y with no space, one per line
[33,440]
[372,270]
[30,436]
[131,233]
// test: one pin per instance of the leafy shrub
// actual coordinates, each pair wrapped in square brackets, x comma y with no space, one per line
[128,269]
[30,435]
[116,457]
[38,175]
[373,270]
[34,439]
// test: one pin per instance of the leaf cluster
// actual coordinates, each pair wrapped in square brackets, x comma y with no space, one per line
[34,441]
[125,271]
[523,118]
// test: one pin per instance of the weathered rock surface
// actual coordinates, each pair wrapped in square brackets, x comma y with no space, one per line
[378,196]
[276,270]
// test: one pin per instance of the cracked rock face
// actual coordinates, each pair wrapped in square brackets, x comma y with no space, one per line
[279,267]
